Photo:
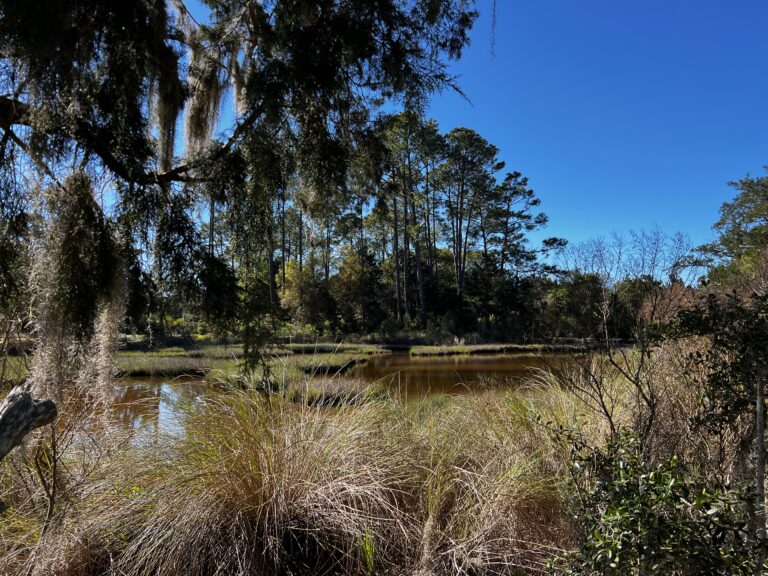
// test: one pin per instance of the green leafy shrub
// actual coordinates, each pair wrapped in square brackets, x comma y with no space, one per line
[638,518]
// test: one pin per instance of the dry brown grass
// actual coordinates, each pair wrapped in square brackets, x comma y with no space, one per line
[260,485]
[265,485]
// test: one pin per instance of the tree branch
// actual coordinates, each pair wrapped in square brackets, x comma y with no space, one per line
[19,415]
[16,112]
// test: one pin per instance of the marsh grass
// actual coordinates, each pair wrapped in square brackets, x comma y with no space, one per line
[474,349]
[264,485]
[177,361]
[170,366]
[278,484]
[289,362]
[15,370]
[335,391]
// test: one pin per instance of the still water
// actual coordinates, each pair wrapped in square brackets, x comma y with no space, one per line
[423,375]
[151,405]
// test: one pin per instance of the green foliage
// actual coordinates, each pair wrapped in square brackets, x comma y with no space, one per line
[737,357]
[359,292]
[574,304]
[306,297]
[742,232]
[85,67]
[639,518]
[219,293]
[630,297]
[14,224]
[90,81]
[742,226]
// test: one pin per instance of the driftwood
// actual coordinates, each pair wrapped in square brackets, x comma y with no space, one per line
[19,415]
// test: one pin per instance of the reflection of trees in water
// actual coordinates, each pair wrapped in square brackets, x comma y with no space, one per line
[151,407]
[459,373]
[137,406]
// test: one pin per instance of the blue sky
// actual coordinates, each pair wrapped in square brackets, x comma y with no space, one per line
[624,114]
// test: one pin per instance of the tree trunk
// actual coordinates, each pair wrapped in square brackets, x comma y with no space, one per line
[327,252]
[361,257]
[419,273]
[19,415]
[760,470]
[301,241]
[406,267]
[417,248]
[271,272]
[211,221]
[396,250]
[427,219]
[283,255]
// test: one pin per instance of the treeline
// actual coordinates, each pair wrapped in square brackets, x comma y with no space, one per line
[429,236]
[315,212]
[430,232]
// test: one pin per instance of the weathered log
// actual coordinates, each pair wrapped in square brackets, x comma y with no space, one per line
[19,415]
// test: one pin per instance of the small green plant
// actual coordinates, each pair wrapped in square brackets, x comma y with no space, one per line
[368,551]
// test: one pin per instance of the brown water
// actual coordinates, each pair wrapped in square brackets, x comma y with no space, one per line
[151,406]
[418,376]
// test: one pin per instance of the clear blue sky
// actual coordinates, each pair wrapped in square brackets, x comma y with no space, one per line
[624,114]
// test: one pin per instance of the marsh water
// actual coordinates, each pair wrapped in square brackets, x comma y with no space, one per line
[151,405]
[418,376]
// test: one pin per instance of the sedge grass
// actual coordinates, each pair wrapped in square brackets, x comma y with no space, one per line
[263,485]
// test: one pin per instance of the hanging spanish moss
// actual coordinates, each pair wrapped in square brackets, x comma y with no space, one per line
[73,283]
[53,356]
[167,91]
[169,103]
[237,79]
[206,88]
[96,375]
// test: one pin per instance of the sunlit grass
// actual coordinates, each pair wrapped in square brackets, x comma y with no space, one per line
[16,369]
[459,349]
[262,485]
[289,363]
[333,475]
[147,364]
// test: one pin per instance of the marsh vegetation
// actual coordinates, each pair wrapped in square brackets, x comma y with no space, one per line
[314,334]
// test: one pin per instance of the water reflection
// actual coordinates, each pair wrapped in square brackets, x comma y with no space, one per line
[423,375]
[153,407]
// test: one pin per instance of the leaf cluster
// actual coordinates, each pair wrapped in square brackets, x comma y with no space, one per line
[639,518]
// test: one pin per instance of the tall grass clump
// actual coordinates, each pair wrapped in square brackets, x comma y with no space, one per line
[490,499]
[43,482]
[256,486]
[259,484]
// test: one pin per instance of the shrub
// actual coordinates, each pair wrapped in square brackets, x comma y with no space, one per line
[642,519]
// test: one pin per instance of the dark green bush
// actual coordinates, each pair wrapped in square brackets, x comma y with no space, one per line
[637,518]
